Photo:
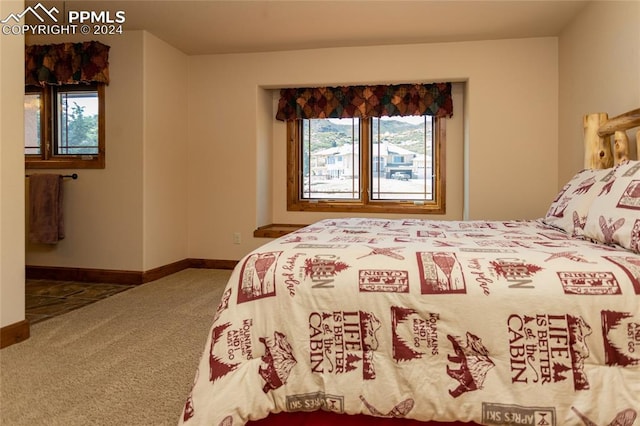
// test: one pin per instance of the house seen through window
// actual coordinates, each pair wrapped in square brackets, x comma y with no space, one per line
[385,164]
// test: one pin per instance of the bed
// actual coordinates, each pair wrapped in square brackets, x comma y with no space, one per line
[421,322]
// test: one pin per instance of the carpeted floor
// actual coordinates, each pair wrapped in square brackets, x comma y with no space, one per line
[129,359]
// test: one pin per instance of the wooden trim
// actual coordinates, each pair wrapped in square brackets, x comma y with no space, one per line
[163,271]
[293,159]
[365,165]
[84,275]
[441,167]
[275,230]
[14,333]
[122,277]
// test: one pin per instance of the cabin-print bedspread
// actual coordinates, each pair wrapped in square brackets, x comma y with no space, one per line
[501,323]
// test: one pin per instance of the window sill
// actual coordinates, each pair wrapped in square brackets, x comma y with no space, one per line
[66,163]
[275,230]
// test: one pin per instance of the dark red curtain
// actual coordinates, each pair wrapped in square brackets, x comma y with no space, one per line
[365,101]
[66,63]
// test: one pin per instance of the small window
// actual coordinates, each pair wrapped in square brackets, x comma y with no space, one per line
[64,126]
[398,167]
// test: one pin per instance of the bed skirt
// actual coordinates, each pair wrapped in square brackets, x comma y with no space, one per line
[323,418]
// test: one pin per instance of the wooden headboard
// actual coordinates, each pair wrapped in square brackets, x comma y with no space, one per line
[599,151]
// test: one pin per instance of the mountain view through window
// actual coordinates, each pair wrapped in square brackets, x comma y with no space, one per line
[399,155]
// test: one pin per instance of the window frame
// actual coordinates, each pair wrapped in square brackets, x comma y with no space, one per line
[365,203]
[47,159]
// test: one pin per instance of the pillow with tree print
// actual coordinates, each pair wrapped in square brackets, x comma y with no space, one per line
[569,209]
[614,216]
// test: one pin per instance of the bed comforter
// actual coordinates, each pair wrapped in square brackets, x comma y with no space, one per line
[500,323]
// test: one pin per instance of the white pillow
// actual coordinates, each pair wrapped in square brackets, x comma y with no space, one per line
[614,217]
[569,209]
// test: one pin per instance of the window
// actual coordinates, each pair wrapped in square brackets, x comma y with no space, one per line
[386,164]
[64,126]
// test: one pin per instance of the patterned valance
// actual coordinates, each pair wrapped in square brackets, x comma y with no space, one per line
[66,63]
[366,101]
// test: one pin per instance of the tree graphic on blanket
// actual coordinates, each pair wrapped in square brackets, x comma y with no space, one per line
[323,267]
[350,362]
[558,369]
[511,269]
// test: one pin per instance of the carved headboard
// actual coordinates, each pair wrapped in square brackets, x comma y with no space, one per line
[600,152]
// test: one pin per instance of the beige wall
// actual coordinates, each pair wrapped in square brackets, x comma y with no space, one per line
[164,157]
[510,88]
[12,299]
[103,207]
[132,214]
[599,72]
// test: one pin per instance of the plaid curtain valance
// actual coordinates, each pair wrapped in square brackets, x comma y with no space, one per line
[365,101]
[66,63]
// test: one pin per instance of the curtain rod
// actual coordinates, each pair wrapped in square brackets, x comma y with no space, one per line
[73,176]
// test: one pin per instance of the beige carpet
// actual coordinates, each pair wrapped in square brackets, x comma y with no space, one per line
[126,360]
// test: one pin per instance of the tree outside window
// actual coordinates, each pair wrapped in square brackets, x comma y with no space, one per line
[64,126]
